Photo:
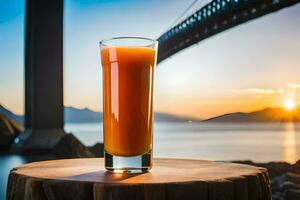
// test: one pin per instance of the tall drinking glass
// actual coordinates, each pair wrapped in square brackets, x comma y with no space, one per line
[128,65]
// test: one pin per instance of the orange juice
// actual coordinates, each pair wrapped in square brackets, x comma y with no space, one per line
[128,74]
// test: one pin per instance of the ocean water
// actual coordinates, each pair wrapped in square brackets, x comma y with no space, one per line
[262,142]
[7,162]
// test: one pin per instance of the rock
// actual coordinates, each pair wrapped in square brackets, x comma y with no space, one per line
[97,149]
[70,147]
[295,178]
[284,186]
[277,182]
[6,134]
[292,195]
[289,185]
[285,179]
[274,168]
[275,197]
[8,131]
[288,177]
[296,167]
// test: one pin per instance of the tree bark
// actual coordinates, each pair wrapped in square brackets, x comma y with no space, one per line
[170,179]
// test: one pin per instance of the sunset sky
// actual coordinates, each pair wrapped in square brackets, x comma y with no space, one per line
[249,67]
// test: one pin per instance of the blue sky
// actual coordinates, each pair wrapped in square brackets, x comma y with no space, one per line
[246,68]
[11,54]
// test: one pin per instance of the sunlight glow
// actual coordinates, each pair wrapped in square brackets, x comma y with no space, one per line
[289,104]
[289,143]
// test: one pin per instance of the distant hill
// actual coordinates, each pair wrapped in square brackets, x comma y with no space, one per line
[264,115]
[76,115]
[11,115]
[164,117]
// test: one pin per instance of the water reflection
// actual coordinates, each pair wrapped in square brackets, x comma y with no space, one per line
[261,142]
[289,143]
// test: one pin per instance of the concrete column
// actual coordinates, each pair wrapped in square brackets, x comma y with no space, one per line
[43,76]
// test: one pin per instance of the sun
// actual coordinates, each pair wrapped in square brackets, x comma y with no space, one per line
[289,104]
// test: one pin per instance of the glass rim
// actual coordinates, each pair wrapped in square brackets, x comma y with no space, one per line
[105,42]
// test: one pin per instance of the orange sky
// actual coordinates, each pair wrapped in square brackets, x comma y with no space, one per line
[246,68]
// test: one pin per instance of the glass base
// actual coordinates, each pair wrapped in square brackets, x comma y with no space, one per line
[128,164]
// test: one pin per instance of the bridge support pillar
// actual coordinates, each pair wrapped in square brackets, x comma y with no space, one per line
[43,77]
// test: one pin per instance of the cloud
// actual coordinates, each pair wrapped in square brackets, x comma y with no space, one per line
[280,91]
[260,91]
[236,91]
[294,85]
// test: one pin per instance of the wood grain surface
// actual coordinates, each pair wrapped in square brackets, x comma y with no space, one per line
[169,179]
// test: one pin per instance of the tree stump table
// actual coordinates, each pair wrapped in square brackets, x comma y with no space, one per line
[169,179]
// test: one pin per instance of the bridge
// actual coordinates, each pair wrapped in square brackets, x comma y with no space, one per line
[213,18]
[44,66]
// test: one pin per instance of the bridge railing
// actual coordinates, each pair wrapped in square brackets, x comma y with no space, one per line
[213,18]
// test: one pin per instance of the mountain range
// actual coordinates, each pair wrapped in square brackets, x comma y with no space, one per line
[76,115]
[264,115]
[10,114]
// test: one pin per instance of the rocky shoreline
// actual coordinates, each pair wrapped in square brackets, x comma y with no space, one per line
[285,177]
[9,130]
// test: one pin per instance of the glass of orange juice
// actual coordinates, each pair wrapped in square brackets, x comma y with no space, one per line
[128,66]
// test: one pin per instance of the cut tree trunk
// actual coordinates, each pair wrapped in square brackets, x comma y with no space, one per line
[169,179]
